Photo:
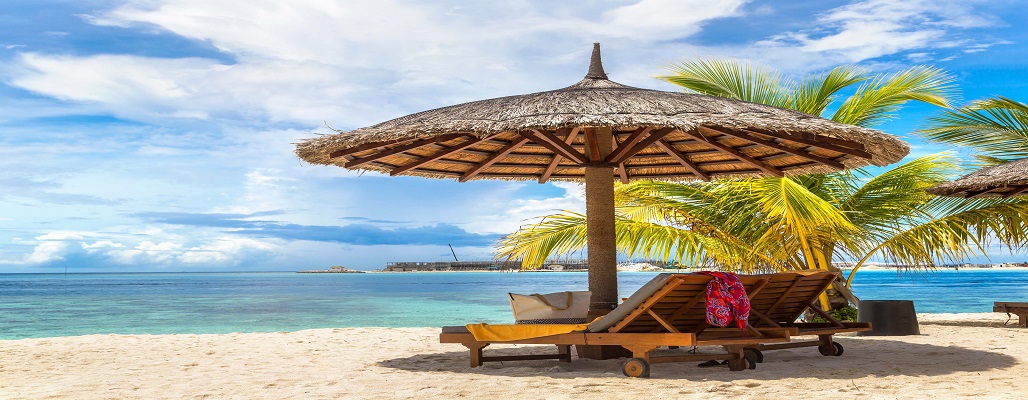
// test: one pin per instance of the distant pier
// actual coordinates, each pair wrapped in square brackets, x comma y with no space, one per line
[335,269]
[549,265]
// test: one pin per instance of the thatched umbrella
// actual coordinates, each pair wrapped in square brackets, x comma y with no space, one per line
[1004,180]
[599,131]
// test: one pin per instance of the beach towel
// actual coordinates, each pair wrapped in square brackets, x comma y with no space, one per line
[726,300]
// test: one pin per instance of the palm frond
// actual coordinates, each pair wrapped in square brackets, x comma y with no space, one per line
[813,95]
[997,127]
[731,79]
[879,100]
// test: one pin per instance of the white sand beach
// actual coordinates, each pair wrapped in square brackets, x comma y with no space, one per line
[956,355]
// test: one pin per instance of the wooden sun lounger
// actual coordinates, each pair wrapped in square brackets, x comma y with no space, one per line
[1019,309]
[783,301]
[669,311]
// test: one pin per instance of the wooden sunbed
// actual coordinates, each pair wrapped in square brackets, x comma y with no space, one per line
[1019,309]
[783,301]
[668,311]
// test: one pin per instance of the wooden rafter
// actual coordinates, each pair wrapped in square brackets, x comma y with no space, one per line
[1017,190]
[735,153]
[633,139]
[642,144]
[824,142]
[493,158]
[365,147]
[557,157]
[681,158]
[399,149]
[973,193]
[622,172]
[547,140]
[471,141]
[777,146]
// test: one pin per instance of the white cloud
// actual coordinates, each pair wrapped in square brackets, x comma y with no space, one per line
[47,252]
[225,249]
[874,28]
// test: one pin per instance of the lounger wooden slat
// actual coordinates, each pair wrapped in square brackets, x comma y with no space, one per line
[669,311]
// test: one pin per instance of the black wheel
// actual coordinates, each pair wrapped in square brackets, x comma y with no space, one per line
[834,350]
[838,349]
[757,353]
[750,358]
[636,368]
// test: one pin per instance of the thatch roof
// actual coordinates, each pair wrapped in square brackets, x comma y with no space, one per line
[661,135]
[1004,180]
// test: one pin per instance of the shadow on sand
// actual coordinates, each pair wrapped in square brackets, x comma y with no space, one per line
[864,357]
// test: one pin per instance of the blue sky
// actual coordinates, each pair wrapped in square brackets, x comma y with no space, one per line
[157,135]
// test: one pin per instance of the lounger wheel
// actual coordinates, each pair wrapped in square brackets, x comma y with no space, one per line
[835,349]
[758,355]
[636,368]
[751,358]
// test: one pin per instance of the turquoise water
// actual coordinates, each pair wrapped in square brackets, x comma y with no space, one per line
[45,305]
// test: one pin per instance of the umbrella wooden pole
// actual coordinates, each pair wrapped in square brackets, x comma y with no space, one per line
[599,209]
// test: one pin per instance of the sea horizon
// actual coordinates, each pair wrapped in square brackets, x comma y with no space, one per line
[50,304]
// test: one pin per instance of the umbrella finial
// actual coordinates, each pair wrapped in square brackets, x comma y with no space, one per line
[596,65]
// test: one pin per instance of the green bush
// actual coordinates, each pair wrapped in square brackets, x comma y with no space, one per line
[848,313]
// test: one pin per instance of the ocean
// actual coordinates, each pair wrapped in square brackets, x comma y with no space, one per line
[48,305]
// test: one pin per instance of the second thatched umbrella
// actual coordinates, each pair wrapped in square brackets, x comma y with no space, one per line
[599,131]
[1004,180]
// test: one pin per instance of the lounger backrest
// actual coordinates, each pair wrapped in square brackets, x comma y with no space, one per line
[630,304]
[678,300]
[788,294]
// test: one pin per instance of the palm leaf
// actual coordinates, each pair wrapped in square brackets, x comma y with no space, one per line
[879,100]
[731,79]
[997,127]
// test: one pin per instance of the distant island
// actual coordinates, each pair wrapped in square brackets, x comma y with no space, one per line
[335,269]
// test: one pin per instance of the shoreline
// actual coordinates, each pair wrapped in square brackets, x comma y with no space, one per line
[973,318]
[956,356]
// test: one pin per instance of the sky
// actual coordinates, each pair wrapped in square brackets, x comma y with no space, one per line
[158,135]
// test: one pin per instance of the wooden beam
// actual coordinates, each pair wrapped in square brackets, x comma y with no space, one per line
[364,147]
[973,193]
[663,144]
[777,146]
[653,137]
[1017,190]
[735,153]
[471,141]
[555,145]
[399,149]
[662,321]
[492,159]
[592,146]
[632,140]
[557,157]
[622,172]
[828,143]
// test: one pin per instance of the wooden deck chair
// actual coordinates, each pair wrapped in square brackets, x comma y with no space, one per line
[783,301]
[668,311]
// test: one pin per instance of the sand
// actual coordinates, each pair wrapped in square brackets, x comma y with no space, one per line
[957,355]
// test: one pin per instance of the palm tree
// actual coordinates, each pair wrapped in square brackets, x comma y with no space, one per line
[800,222]
[996,127]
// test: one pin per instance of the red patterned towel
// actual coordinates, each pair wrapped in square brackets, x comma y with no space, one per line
[726,300]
